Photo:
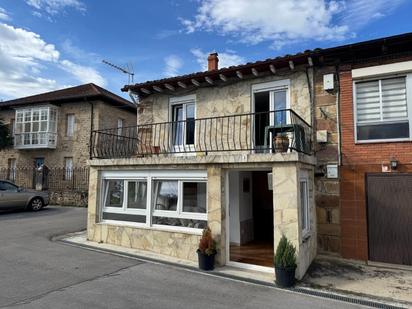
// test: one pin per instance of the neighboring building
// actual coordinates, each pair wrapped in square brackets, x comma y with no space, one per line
[202,155]
[54,129]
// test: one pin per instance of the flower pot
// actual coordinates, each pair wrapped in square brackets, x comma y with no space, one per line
[281,143]
[285,277]
[206,262]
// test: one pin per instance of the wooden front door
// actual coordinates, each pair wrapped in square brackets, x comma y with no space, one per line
[389,205]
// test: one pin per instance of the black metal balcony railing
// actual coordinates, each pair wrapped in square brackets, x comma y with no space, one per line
[253,132]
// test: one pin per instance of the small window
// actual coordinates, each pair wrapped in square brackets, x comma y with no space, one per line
[68,168]
[194,197]
[12,169]
[165,195]
[136,194]
[183,117]
[382,109]
[119,127]
[304,206]
[70,122]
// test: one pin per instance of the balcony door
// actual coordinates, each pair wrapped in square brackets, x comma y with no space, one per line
[183,112]
[270,104]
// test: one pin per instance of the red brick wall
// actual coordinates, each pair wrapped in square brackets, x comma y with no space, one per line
[357,161]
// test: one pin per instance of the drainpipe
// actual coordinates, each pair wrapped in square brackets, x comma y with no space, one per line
[91,126]
[338,115]
[311,88]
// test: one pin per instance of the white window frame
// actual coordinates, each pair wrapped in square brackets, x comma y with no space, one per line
[184,101]
[149,212]
[50,134]
[70,124]
[304,216]
[408,82]
[271,87]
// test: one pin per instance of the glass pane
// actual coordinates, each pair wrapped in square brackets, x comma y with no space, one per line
[124,217]
[303,204]
[34,138]
[18,128]
[165,193]
[178,126]
[36,115]
[136,194]
[280,104]
[43,126]
[190,124]
[261,116]
[27,127]
[27,116]
[114,193]
[43,114]
[27,139]
[383,131]
[194,197]
[36,126]
[197,224]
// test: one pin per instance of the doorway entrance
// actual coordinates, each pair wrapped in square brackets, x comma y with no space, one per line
[250,218]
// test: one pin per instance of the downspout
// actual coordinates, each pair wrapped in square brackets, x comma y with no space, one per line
[312,100]
[338,115]
[91,127]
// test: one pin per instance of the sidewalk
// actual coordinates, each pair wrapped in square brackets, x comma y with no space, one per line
[327,276]
[360,279]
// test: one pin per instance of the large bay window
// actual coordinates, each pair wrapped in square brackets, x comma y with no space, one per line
[36,127]
[381,109]
[156,199]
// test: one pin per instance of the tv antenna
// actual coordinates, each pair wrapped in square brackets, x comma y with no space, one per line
[128,70]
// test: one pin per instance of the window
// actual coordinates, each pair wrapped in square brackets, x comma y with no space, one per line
[119,127]
[156,201]
[183,117]
[6,186]
[68,168]
[35,128]
[12,169]
[382,109]
[304,206]
[70,122]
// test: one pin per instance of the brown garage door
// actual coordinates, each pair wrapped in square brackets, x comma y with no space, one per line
[389,200]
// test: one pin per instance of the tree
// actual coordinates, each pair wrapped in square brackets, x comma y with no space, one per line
[5,136]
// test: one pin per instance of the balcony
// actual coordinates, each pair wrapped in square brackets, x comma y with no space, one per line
[263,132]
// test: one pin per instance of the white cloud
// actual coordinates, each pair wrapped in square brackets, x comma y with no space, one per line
[226,59]
[25,56]
[54,7]
[82,73]
[286,21]
[4,15]
[173,64]
[79,53]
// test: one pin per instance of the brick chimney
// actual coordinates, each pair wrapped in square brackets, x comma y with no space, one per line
[212,62]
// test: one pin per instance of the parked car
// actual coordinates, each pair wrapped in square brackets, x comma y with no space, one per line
[15,197]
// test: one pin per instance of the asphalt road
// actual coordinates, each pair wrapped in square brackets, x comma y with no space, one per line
[36,272]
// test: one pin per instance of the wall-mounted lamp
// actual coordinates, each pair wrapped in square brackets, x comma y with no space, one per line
[394,164]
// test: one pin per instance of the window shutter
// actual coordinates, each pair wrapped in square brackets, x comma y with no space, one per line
[368,101]
[394,99]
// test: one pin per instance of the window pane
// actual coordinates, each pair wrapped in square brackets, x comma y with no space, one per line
[114,193]
[178,125]
[124,217]
[190,124]
[304,204]
[197,224]
[280,104]
[165,193]
[383,131]
[43,114]
[136,194]
[394,104]
[43,126]
[261,117]
[194,197]
[69,125]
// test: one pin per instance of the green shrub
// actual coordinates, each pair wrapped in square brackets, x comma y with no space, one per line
[285,256]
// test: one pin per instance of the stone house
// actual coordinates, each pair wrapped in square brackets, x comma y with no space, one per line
[54,128]
[204,152]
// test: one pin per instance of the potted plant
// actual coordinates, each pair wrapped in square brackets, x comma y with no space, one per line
[285,263]
[281,142]
[207,250]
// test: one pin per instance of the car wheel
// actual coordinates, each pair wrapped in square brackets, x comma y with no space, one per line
[36,204]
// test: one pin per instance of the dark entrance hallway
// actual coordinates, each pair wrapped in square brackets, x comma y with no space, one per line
[251,218]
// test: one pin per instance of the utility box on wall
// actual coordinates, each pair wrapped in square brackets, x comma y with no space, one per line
[328,82]
[322,136]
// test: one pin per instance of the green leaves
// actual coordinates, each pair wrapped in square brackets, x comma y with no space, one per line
[285,256]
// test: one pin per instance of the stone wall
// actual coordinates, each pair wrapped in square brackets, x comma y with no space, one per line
[327,190]
[287,212]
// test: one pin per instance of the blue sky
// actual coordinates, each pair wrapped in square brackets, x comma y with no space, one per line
[50,44]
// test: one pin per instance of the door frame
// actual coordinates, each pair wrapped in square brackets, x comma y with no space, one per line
[228,262]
